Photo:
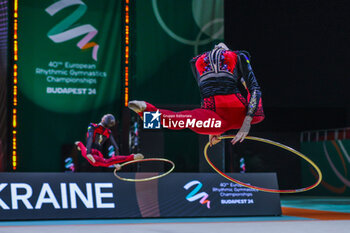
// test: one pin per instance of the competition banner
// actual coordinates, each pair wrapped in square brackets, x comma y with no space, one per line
[165,37]
[27,196]
[68,73]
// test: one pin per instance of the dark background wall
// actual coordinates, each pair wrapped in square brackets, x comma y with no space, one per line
[300,55]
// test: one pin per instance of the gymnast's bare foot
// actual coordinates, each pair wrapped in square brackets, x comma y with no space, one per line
[137,105]
[138,156]
[77,143]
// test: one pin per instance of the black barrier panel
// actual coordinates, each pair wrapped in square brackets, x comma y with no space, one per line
[188,195]
[100,195]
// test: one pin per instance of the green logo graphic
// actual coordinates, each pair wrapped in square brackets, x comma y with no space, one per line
[56,75]
[58,34]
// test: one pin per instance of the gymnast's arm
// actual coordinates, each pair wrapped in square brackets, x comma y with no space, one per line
[252,84]
[255,95]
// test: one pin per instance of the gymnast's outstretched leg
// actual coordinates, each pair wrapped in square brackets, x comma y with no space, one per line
[99,160]
[216,124]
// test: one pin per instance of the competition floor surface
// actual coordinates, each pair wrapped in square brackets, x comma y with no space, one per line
[299,214]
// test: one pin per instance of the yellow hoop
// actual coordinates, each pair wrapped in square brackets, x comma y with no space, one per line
[144,160]
[265,189]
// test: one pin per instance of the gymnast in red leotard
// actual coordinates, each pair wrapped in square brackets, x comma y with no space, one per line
[218,74]
[96,136]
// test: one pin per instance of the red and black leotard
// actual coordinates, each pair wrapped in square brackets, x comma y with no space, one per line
[218,73]
[97,135]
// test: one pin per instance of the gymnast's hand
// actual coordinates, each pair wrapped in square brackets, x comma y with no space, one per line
[214,139]
[244,130]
